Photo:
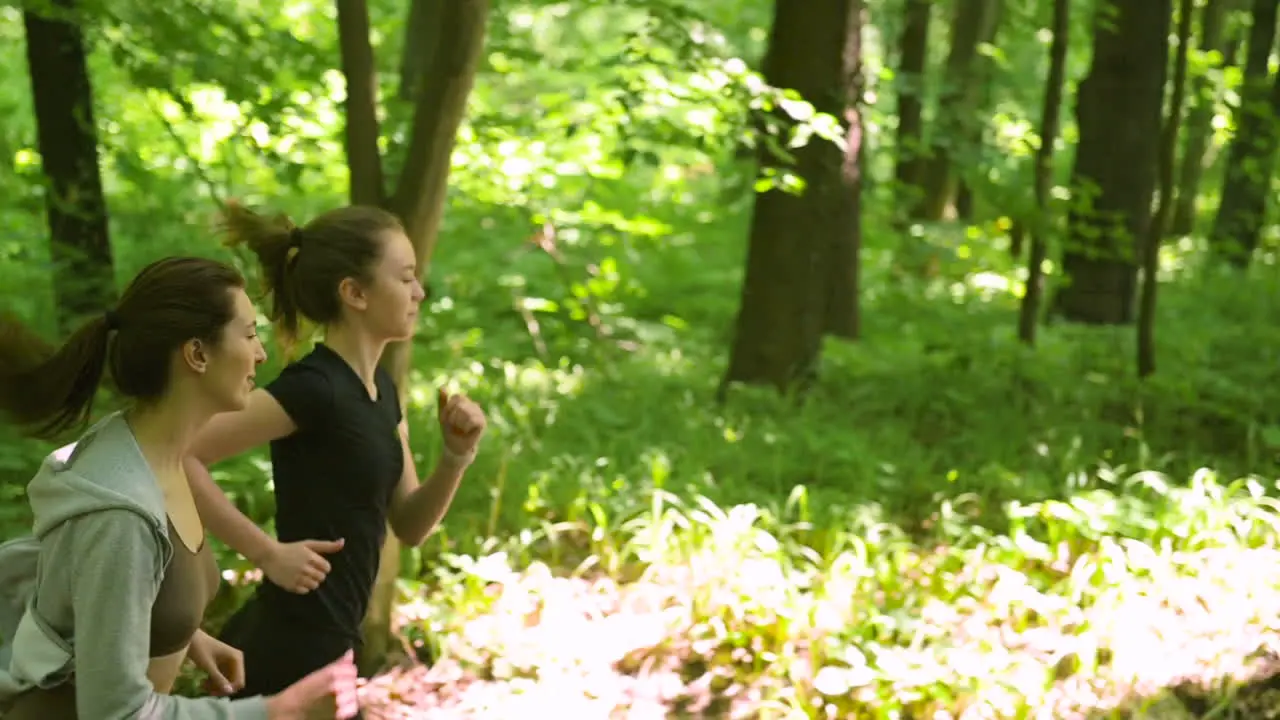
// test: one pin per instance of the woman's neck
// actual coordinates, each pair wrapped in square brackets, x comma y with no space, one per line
[359,350]
[165,429]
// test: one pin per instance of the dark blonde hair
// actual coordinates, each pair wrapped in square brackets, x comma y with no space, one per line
[49,390]
[302,266]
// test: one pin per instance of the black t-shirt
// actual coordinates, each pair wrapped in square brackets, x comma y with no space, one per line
[334,478]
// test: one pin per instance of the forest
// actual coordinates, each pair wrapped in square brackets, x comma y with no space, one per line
[841,358]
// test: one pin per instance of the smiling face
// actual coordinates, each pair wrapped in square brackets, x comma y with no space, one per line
[230,366]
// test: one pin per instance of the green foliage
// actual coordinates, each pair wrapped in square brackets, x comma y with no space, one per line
[948,521]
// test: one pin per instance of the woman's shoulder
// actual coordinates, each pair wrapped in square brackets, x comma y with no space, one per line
[318,364]
[103,470]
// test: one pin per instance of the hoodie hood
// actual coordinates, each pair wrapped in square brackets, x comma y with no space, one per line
[121,478]
[43,643]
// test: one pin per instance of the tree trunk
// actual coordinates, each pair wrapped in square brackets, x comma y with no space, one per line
[442,102]
[1017,237]
[83,277]
[914,44]
[1251,154]
[975,137]
[1050,120]
[1119,108]
[841,316]
[364,161]
[959,96]
[421,35]
[785,294]
[1164,204]
[1199,123]
[419,195]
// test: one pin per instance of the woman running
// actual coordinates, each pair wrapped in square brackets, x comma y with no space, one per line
[339,443]
[101,605]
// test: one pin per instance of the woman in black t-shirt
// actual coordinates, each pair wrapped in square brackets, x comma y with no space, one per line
[339,442]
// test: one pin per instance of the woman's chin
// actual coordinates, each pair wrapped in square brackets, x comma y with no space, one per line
[239,402]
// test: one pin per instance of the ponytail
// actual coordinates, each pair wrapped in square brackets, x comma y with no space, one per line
[304,268]
[48,391]
[274,241]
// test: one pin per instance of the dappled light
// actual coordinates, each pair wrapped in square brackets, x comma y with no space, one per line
[1099,602]
[782,422]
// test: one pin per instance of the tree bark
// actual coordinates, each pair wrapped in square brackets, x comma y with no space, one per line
[419,194]
[1164,204]
[960,95]
[442,103]
[786,294]
[909,138]
[842,316]
[1199,122]
[1119,108]
[421,35]
[67,138]
[364,160]
[1251,153]
[1050,120]
[977,132]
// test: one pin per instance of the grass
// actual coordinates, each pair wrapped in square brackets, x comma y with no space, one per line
[1083,605]
[950,525]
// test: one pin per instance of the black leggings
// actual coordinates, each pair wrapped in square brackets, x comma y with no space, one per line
[278,654]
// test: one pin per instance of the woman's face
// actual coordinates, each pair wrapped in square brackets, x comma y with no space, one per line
[393,298]
[231,365]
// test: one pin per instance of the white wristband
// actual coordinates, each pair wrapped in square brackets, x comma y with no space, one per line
[457,460]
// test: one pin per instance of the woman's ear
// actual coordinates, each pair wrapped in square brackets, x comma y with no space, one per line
[195,356]
[352,293]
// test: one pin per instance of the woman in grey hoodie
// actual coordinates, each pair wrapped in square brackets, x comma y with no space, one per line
[101,605]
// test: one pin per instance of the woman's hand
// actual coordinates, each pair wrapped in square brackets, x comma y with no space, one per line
[329,692]
[462,422]
[222,663]
[299,567]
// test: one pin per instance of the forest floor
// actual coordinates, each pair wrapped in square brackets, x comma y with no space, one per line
[951,525]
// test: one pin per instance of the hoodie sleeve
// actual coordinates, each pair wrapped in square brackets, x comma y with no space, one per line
[113,585]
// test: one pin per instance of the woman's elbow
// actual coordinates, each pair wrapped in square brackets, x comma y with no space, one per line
[408,534]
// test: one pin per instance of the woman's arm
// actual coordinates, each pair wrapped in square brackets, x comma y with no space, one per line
[110,556]
[228,434]
[416,507]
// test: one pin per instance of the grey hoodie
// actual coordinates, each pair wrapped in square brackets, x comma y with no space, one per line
[97,554]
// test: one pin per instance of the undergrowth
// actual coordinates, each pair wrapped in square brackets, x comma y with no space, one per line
[948,525]
[1084,605]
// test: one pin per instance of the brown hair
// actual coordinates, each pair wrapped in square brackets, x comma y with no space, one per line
[169,302]
[302,267]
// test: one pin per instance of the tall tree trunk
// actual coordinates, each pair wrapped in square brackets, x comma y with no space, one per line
[1251,154]
[976,132]
[1164,204]
[442,102]
[959,96]
[1199,123]
[419,194]
[785,294]
[1119,108]
[908,141]
[421,35]
[1050,120]
[83,277]
[841,316]
[364,161]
